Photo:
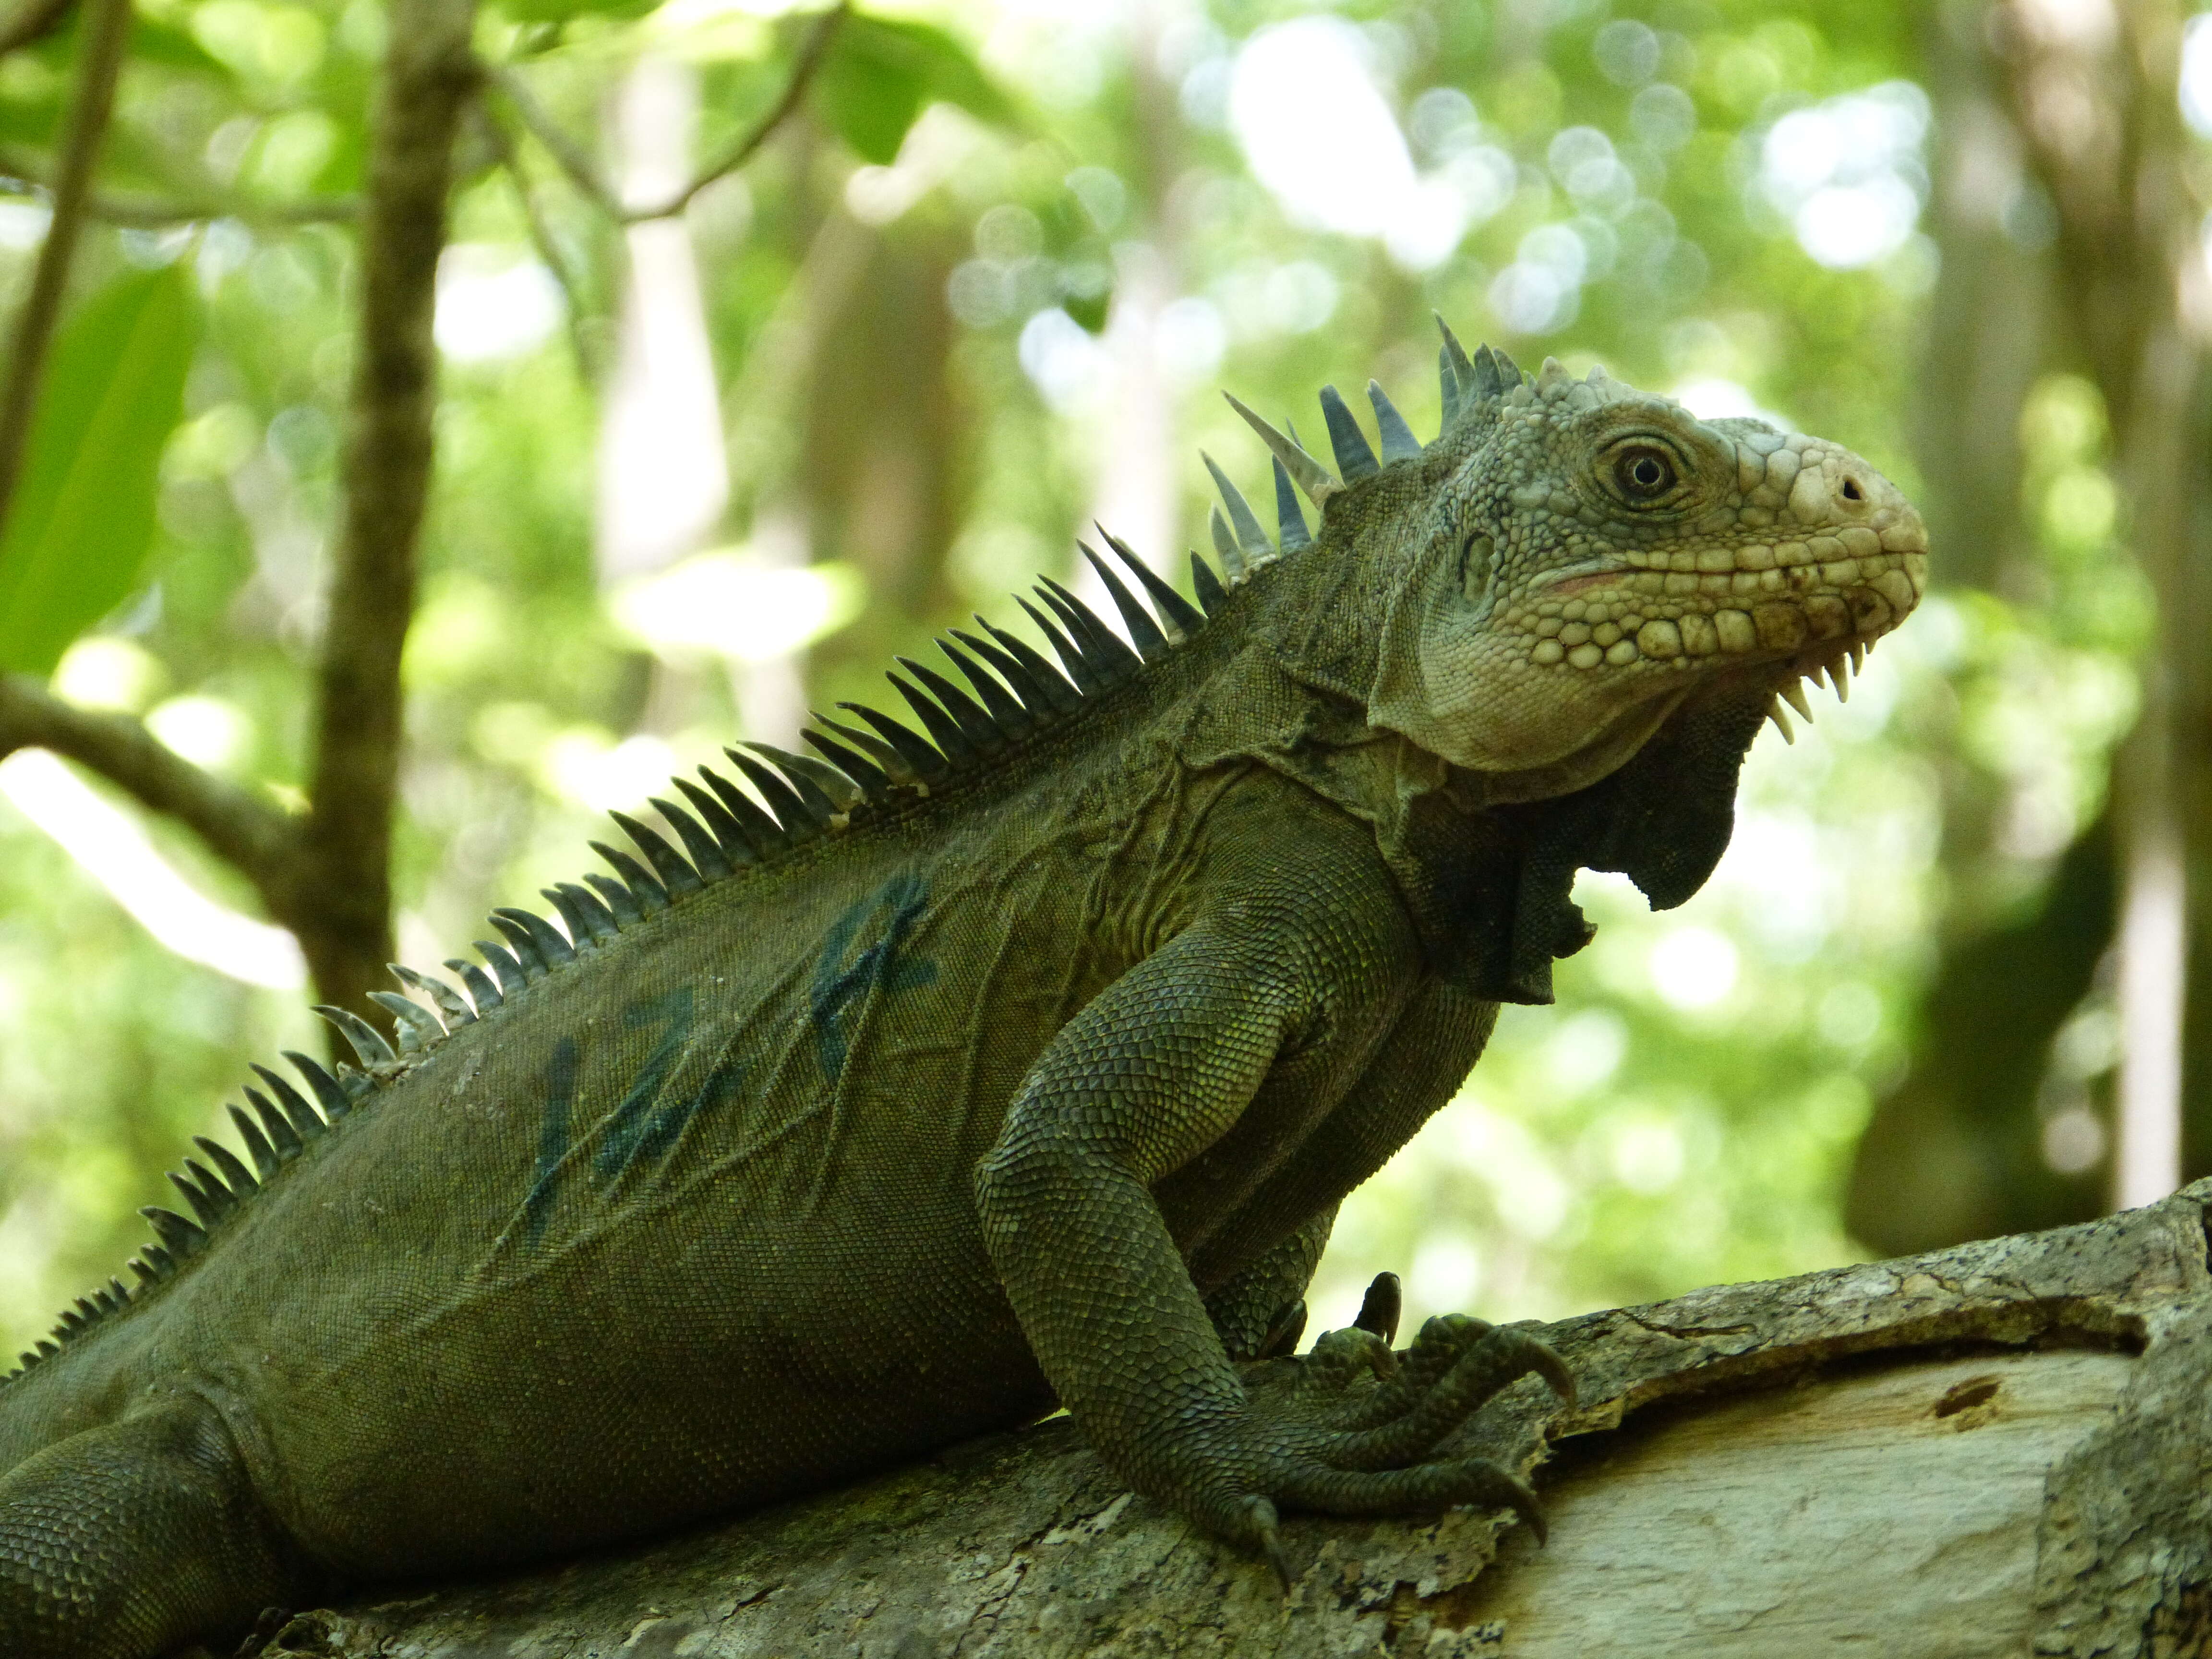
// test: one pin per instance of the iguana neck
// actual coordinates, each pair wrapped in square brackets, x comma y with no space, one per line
[1486,862]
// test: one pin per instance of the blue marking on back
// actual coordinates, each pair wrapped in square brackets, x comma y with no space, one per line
[553,1136]
[668,1124]
[838,990]
[628,1129]
[635,1133]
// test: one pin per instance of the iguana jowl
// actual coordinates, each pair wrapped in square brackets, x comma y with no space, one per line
[944,1079]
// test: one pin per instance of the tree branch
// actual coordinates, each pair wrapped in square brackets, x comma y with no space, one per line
[577,164]
[802,75]
[154,212]
[238,827]
[31,23]
[566,152]
[107,26]
[1995,1449]
[428,76]
[542,238]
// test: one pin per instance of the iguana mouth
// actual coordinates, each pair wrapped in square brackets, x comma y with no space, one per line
[1577,578]
[1815,604]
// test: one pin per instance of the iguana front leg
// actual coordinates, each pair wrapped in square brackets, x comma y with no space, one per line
[1156,1068]
[1431,1043]
[127,1538]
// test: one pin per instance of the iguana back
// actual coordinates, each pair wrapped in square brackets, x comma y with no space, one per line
[726,1153]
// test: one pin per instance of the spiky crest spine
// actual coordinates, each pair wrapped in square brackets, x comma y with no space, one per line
[799,798]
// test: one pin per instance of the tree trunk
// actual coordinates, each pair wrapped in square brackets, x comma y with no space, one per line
[342,908]
[2093,93]
[2000,1449]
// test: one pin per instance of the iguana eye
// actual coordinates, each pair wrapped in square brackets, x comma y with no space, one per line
[1643,472]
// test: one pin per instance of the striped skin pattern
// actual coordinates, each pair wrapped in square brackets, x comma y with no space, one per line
[1016,1056]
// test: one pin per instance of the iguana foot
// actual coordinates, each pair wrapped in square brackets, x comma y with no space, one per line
[1343,1444]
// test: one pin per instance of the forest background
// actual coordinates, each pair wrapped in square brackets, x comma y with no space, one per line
[461,417]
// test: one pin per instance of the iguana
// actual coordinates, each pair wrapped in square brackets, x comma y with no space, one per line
[947,1077]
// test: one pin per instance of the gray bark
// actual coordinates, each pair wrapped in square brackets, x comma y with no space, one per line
[2000,1449]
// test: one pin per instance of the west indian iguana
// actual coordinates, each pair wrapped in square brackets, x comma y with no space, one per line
[944,1079]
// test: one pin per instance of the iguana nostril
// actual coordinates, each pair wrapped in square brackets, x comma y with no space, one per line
[1851,492]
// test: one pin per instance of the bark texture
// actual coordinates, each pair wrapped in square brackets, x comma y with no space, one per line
[2001,1449]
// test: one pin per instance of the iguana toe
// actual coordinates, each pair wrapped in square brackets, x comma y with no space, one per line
[1340,1357]
[1441,1342]
[1485,1366]
[1425,1487]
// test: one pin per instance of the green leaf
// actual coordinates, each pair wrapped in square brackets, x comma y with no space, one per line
[153,41]
[1089,309]
[83,513]
[881,72]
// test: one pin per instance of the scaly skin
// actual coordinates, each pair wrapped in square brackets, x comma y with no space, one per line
[1040,1083]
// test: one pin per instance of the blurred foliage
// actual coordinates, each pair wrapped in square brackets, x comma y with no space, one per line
[882,72]
[915,299]
[82,519]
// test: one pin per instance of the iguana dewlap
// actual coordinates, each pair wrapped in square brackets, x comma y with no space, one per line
[941,1079]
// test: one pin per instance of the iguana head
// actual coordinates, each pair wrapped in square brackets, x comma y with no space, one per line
[1572,560]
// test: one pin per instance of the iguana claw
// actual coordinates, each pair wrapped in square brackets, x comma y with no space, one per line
[1545,1361]
[1380,1309]
[1264,1520]
[1519,1496]
[1282,1338]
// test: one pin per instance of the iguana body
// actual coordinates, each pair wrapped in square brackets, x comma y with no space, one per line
[1037,1074]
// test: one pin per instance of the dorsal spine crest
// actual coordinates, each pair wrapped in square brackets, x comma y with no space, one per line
[1017,693]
